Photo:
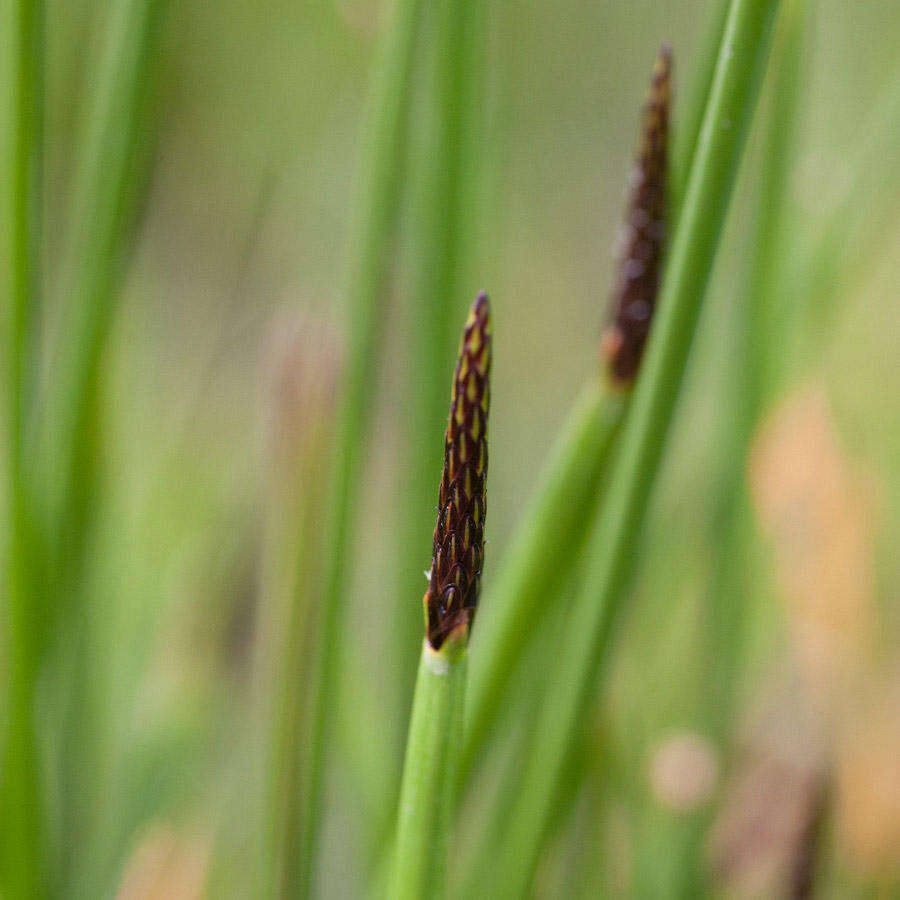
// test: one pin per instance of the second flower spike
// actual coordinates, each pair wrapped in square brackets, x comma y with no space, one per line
[643,240]
[458,552]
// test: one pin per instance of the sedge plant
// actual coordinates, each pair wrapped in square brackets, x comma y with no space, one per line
[302,404]
[22,863]
[110,177]
[368,273]
[436,727]
[52,498]
[611,554]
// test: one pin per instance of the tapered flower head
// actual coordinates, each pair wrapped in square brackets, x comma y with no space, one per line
[644,234]
[458,554]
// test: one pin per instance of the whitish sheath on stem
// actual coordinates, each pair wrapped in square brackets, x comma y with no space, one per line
[435,732]
[553,528]
[369,266]
[22,857]
[741,62]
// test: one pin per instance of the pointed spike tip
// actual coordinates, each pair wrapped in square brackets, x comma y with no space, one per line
[452,595]
[644,234]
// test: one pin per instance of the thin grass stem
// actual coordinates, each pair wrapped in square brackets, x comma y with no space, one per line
[691,119]
[104,199]
[22,857]
[442,219]
[759,322]
[425,808]
[108,181]
[741,62]
[374,231]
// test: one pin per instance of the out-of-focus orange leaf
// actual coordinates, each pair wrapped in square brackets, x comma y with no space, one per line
[167,864]
[816,513]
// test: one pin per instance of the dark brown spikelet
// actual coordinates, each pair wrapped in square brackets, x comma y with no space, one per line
[644,234]
[458,553]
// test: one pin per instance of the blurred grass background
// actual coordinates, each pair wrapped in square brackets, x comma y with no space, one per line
[250,142]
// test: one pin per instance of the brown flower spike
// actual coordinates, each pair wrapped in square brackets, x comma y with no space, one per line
[644,234]
[455,578]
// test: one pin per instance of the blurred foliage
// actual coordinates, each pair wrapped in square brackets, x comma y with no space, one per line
[255,124]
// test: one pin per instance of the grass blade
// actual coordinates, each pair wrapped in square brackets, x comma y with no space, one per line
[443,216]
[104,200]
[428,776]
[691,119]
[759,319]
[21,859]
[106,191]
[739,68]
[302,400]
[380,191]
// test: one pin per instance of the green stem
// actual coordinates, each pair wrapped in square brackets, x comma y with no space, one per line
[22,855]
[426,793]
[761,319]
[104,200]
[541,555]
[297,504]
[739,68]
[694,106]
[380,190]
[439,297]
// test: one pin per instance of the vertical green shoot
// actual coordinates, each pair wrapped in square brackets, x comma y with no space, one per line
[741,61]
[100,215]
[691,118]
[369,266]
[22,872]
[105,194]
[426,801]
[302,406]
[441,217]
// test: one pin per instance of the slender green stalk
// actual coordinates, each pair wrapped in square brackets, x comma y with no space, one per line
[739,68]
[103,202]
[759,322]
[758,325]
[105,194]
[22,855]
[425,813]
[380,190]
[438,295]
[302,405]
[696,95]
